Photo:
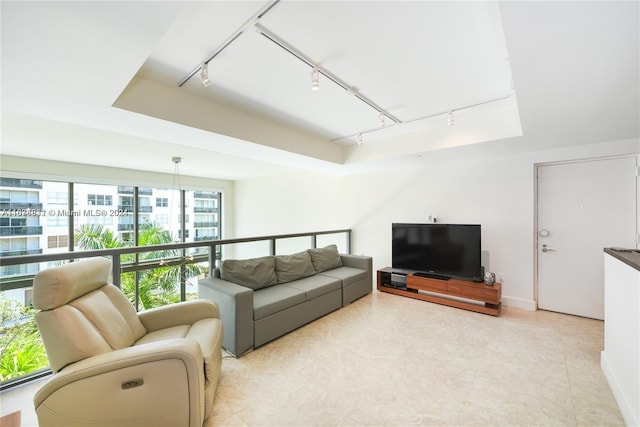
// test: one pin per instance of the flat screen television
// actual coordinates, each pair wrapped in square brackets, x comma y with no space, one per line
[448,250]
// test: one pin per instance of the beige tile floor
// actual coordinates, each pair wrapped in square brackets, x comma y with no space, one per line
[390,360]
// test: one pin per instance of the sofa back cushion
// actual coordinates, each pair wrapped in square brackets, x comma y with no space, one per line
[294,267]
[326,258]
[254,273]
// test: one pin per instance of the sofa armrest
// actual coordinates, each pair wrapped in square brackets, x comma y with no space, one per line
[131,378]
[183,313]
[358,261]
[236,312]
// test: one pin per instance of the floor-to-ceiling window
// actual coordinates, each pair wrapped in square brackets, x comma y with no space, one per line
[41,217]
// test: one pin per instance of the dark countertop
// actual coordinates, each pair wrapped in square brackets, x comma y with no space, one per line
[631,257]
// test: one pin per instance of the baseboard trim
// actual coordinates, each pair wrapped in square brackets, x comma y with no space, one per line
[626,409]
[521,303]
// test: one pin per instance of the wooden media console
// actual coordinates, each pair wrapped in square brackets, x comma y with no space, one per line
[465,294]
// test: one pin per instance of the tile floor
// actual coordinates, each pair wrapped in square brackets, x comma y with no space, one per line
[390,360]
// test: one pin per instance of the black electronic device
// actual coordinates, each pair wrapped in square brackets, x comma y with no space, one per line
[440,250]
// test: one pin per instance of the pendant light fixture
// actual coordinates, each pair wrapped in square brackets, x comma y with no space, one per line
[176,202]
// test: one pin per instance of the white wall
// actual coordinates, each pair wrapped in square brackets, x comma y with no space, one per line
[289,203]
[286,204]
[494,190]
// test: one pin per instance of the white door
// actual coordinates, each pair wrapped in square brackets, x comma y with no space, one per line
[583,207]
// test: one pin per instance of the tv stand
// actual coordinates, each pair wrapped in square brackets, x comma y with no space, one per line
[432,276]
[465,294]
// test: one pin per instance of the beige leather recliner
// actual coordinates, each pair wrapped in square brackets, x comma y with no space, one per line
[113,366]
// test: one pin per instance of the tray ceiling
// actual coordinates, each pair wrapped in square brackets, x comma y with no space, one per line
[104,75]
[415,60]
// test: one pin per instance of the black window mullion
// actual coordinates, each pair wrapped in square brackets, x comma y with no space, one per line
[71,224]
[136,223]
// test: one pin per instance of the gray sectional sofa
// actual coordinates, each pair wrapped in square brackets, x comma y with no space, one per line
[261,299]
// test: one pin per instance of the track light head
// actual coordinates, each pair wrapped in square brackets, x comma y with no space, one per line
[450,119]
[381,120]
[359,139]
[204,75]
[315,84]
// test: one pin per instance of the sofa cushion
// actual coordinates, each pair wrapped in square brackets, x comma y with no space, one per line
[294,267]
[348,275]
[315,286]
[254,273]
[271,300]
[325,258]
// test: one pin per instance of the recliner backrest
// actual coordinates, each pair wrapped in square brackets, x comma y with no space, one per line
[82,315]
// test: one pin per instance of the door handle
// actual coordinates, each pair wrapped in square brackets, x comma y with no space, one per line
[546,249]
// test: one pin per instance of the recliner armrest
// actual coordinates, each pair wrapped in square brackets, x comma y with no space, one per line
[132,377]
[183,313]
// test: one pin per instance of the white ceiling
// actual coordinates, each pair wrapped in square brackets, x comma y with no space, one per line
[97,82]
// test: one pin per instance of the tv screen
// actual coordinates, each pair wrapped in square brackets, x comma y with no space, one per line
[452,250]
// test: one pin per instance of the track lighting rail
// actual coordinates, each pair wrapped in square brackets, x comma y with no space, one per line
[253,23]
[247,24]
[430,116]
[274,38]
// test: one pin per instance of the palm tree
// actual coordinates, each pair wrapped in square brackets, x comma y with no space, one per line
[95,236]
[156,287]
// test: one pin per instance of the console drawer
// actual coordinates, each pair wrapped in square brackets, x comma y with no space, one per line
[491,295]
[430,285]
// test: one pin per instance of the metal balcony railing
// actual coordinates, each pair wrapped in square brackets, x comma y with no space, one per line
[21,252]
[205,224]
[129,190]
[203,238]
[20,230]
[130,208]
[200,209]
[172,255]
[20,206]
[20,183]
[205,195]
[125,190]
